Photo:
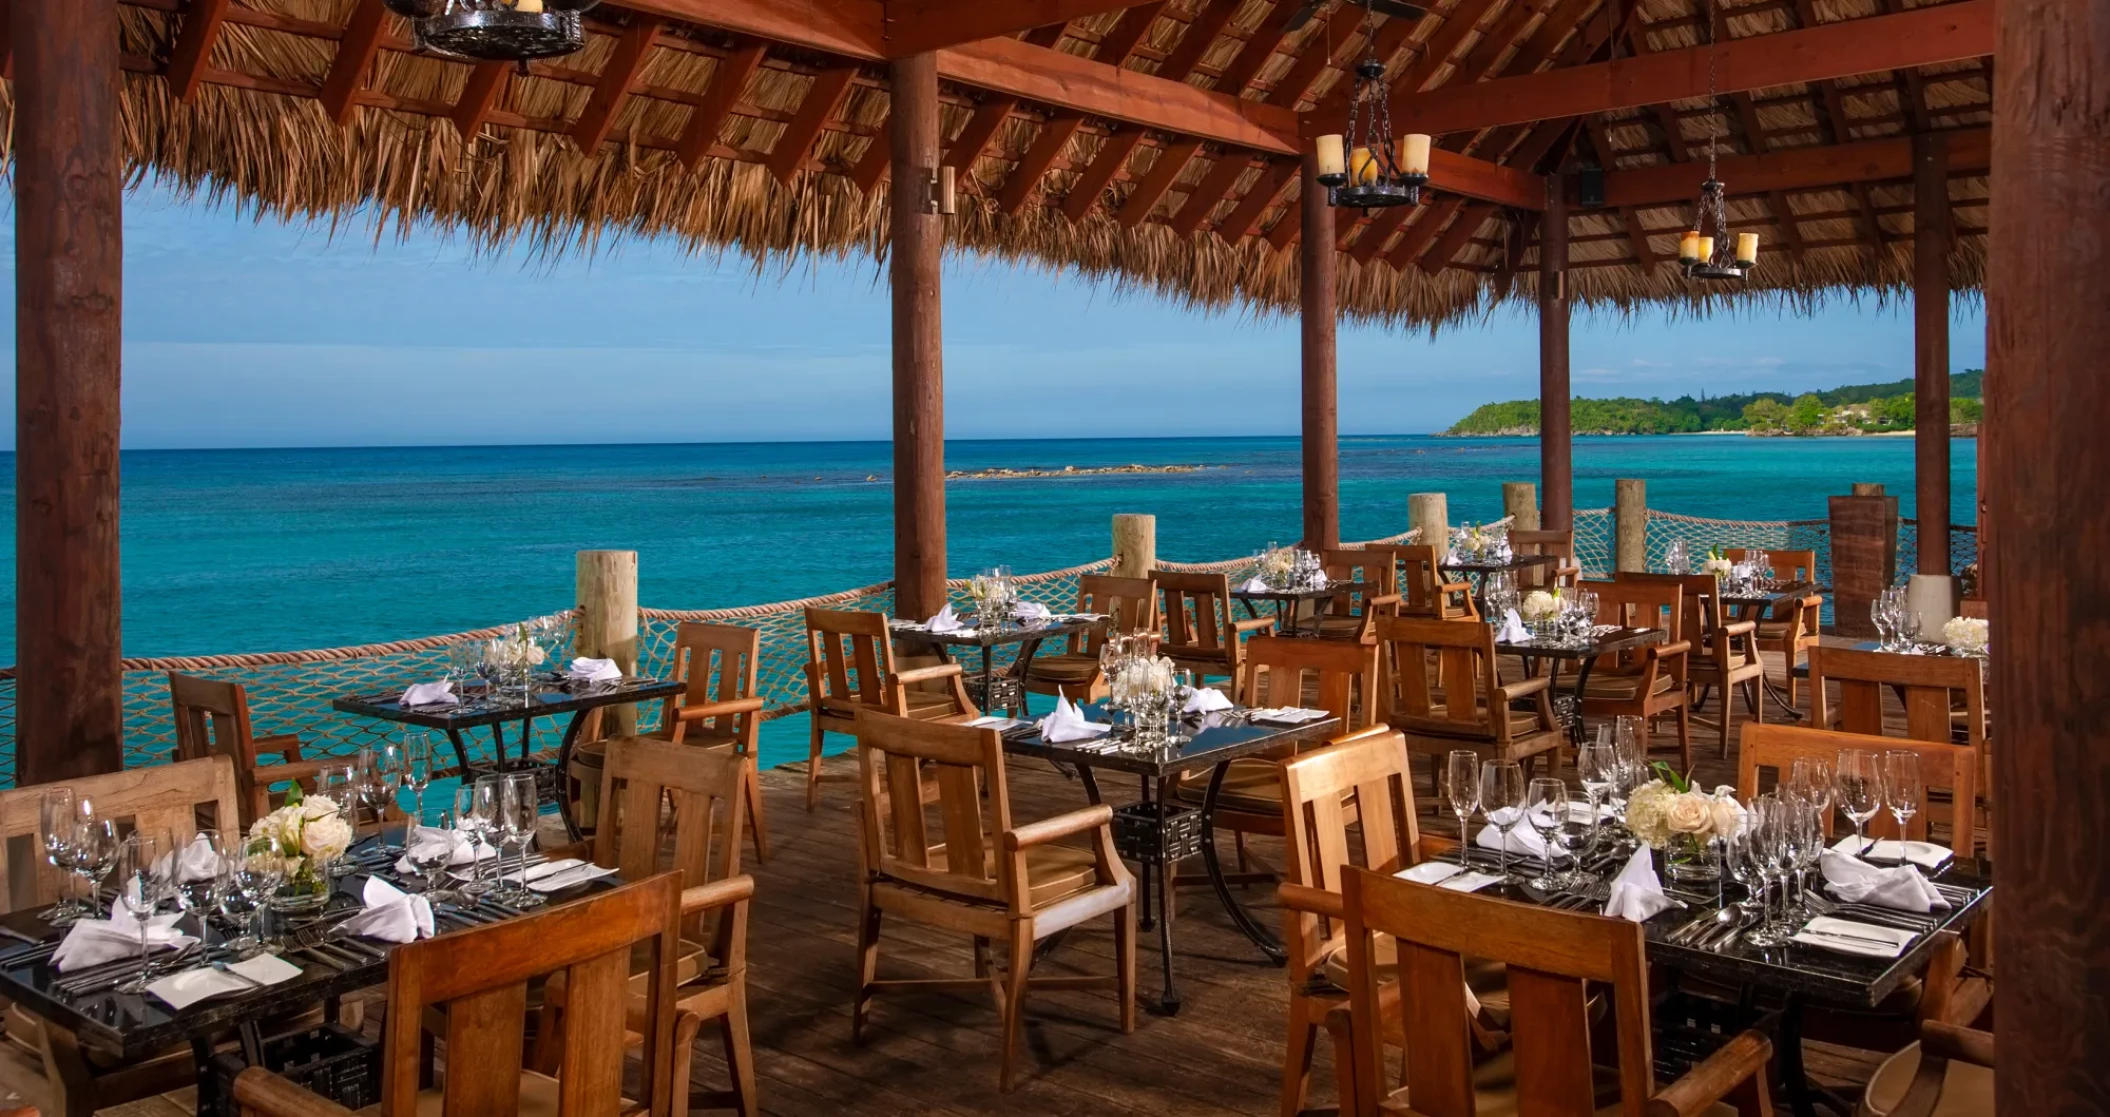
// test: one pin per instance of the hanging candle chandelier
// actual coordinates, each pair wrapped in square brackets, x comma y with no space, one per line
[495,30]
[1364,167]
[1706,250]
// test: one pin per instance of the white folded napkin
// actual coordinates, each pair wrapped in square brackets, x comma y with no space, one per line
[1030,611]
[429,694]
[1926,855]
[1848,937]
[945,621]
[1253,585]
[92,942]
[182,990]
[1636,893]
[1066,724]
[1858,882]
[1288,715]
[1523,839]
[543,878]
[1513,630]
[1206,700]
[1318,579]
[464,850]
[391,915]
[586,669]
[195,862]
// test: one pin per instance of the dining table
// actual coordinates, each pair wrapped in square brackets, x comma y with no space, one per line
[1775,600]
[1479,569]
[1603,640]
[1290,602]
[1157,831]
[990,690]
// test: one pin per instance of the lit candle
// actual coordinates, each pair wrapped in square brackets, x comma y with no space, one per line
[1747,248]
[1414,154]
[1706,249]
[1362,167]
[1689,246]
[1331,161]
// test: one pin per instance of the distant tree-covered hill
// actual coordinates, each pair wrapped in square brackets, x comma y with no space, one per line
[1864,407]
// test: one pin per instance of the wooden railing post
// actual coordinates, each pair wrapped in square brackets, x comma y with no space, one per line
[607,626]
[1135,545]
[1520,501]
[1629,525]
[1864,558]
[1431,513]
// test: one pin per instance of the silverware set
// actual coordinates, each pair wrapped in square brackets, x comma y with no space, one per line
[1716,930]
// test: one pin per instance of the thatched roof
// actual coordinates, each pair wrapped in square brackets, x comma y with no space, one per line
[256,130]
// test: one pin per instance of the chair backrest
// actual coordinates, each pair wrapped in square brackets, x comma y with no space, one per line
[1131,602]
[1702,617]
[1420,579]
[717,663]
[1655,605]
[849,654]
[1560,544]
[165,798]
[1550,955]
[1340,675]
[1942,767]
[212,717]
[897,760]
[481,976]
[641,775]
[1788,566]
[1196,613]
[1365,574]
[1371,764]
[1930,687]
[1450,694]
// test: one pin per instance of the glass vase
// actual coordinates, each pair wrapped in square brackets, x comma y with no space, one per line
[1688,860]
[304,892]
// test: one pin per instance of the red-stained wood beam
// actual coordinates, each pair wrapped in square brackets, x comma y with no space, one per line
[620,73]
[1319,53]
[1024,180]
[1805,168]
[355,56]
[1391,38]
[1244,219]
[194,41]
[1920,37]
[1258,48]
[876,164]
[1093,180]
[850,28]
[823,97]
[1194,43]
[728,82]
[915,26]
[480,95]
[1119,44]
[1171,163]
[1637,237]
[1288,227]
[1423,231]
[1185,56]
[1454,239]
[980,128]
[1213,188]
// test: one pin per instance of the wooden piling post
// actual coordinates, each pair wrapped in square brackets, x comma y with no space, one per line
[1135,545]
[1630,524]
[1864,558]
[915,265]
[1930,310]
[1868,488]
[1520,502]
[1321,412]
[1556,431]
[607,625]
[1431,513]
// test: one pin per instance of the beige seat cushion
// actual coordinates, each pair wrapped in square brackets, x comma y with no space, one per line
[1487,983]
[1967,1088]
[1053,872]
[1252,786]
[1617,687]
[1064,668]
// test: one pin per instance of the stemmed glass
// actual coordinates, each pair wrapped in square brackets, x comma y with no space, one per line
[416,768]
[476,809]
[520,811]
[147,866]
[1810,778]
[1902,788]
[1502,800]
[55,826]
[255,877]
[429,859]
[1764,862]
[461,665]
[93,851]
[1463,772]
[385,783]
[1860,781]
[1545,811]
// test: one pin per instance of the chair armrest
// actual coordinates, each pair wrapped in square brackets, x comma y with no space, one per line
[1739,628]
[1739,1061]
[1669,651]
[717,894]
[1061,826]
[579,850]
[1510,692]
[926,674]
[1951,1041]
[1379,601]
[1454,587]
[719,709]
[1253,624]
[1312,901]
[277,744]
[268,774]
[258,1091]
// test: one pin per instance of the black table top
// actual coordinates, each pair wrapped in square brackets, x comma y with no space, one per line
[1012,632]
[549,696]
[1490,566]
[1213,739]
[1772,594]
[1308,593]
[1607,643]
[132,1025]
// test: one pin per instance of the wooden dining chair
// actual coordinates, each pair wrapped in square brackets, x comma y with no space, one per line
[975,870]
[1424,593]
[1790,628]
[479,977]
[1947,1072]
[1724,652]
[1646,682]
[1130,604]
[1559,544]
[212,717]
[1775,748]
[699,840]
[851,666]
[1942,700]
[1445,692]
[1201,634]
[1370,581]
[1554,962]
[172,799]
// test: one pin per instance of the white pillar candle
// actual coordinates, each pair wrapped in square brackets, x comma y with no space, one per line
[1414,154]
[1689,246]
[1706,248]
[1747,248]
[1362,167]
[1332,161]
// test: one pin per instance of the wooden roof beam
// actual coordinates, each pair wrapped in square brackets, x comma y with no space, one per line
[1099,173]
[1244,219]
[617,76]
[1171,163]
[1319,53]
[975,135]
[1919,37]
[1422,232]
[728,82]
[355,55]
[1258,48]
[194,41]
[823,97]
[1214,187]
[1805,168]
[915,26]
[1024,180]
[480,95]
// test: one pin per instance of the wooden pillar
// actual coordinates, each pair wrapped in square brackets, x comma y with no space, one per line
[1322,442]
[1629,525]
[2046,466]
[1930,315]
[1868,488]
[69,257]
[914,262]
[1431,512]
[1135,545]
[1556,449]
[1520,502]
[607,625]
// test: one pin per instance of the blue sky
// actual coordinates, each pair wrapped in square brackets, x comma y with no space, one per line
[240,332]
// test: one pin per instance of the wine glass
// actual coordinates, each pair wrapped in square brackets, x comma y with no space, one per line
[429,856]
[1761,854]
[1502,800]
[93,851]
[146,866]
[55,826]
[1596,763]
[521,811]
[255,875]
[1464,782]
[1903,790]
[197,878]
[461,665]
[1860,785]
[417,768]
[475,814]
[387,783]
[1810,778]
[1545,809]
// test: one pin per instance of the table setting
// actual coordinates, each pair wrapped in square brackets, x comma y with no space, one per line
[1288,577]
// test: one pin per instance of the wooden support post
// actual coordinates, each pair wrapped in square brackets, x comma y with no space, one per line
[2046,466]
[1868,488]
[1520,502]
[607,626]
[1629,524]
[1556,450]
[69,269]
[1864,558]
[914,263]
[1322,430]
[1431,512]
[1135,545]
[1930,315]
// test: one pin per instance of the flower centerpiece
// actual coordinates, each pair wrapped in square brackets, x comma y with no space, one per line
[1143,686]
[1541,610]
[300,839]
[1966,635]
[1717,564]
[514,657]
[1276,566]
[1671,815]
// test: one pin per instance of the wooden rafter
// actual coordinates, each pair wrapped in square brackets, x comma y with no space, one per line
[1213,188]
[480,95]
[1113,155]
[1319,53]
[1637,237]
[1423,231]
[1258,48]
[975,135]
[1099,173]
[874,166]
[1806,168]
[823,97]
[1162,175]
[1287,226]
[915,26]
[728,83]
[1244,219]
[1024,181]
[355,56]
[1391,38]
[1194,43]
[1542,139]
[621,72]
[193,50]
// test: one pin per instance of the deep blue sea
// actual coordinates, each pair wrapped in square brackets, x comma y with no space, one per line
[267,550]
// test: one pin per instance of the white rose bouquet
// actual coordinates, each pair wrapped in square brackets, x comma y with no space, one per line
[1538,605]
[1275,565]
[1668,809]
[519,651]
[1965,635]
[1717,564]
[302,837]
